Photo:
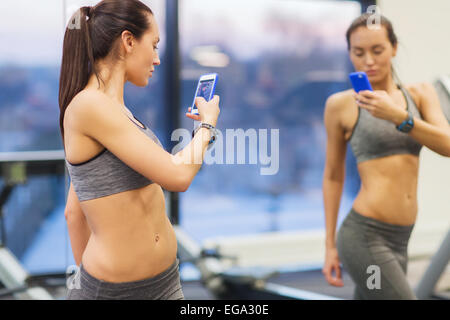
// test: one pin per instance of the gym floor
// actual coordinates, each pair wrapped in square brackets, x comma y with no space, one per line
[41,258]
[306,280]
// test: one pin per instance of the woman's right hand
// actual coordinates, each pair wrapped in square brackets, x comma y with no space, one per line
[332,267]
[208,111]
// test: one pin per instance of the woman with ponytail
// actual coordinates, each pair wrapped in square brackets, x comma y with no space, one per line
[386,129]
[116,216]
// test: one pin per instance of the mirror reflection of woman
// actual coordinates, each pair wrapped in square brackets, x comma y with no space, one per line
[386,129]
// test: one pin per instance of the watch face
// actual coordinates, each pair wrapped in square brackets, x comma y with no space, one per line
[408,126]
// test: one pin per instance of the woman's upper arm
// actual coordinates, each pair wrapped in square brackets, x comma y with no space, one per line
[430,106]
[336,143]
[104,122]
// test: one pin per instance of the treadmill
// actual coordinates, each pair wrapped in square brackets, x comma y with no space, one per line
[16,167]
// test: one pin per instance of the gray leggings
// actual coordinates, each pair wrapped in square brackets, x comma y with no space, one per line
[368,248]
[164,286]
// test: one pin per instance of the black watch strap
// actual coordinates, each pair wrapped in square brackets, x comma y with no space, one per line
[207,126]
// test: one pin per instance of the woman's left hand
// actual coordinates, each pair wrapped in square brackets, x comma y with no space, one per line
[195,117]
[380,105]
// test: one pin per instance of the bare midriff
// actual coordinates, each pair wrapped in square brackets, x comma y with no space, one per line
[388,190]
[131,236]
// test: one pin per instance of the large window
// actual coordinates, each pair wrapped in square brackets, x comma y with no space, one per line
[29,72]
[277,62]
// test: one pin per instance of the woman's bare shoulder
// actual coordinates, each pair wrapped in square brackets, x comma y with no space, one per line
[419,87]
[89,100]
[420,91]
[87,107]
[339,102]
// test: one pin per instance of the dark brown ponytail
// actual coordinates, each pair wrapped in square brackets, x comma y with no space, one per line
[90,36]
[75,60]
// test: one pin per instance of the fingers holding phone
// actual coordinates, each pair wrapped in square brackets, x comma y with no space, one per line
[205,106]
[193,116]
[208,110]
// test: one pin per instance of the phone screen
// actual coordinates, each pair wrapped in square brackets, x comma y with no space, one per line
[205,88]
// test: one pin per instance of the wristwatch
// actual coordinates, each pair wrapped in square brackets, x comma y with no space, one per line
[406,125]
[213,130]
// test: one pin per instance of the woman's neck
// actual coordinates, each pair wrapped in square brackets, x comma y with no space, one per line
[387,84]
[113,82]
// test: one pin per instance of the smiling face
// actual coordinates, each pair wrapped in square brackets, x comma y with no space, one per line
[372,52]
[142,55]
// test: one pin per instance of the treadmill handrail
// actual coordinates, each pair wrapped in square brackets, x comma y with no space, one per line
[445,82]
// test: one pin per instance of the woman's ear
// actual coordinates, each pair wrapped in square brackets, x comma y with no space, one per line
[127,41]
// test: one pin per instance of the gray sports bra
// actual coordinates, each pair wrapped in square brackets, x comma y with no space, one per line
[375,138]
[105,174]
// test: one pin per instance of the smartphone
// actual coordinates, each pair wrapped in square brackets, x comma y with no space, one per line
[205,88]
[360,81]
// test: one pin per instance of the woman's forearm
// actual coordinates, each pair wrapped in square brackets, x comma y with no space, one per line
[332,192]
[191,157]
[433,137]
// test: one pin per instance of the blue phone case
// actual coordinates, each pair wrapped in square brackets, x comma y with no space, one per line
[360,81]
[194,109]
